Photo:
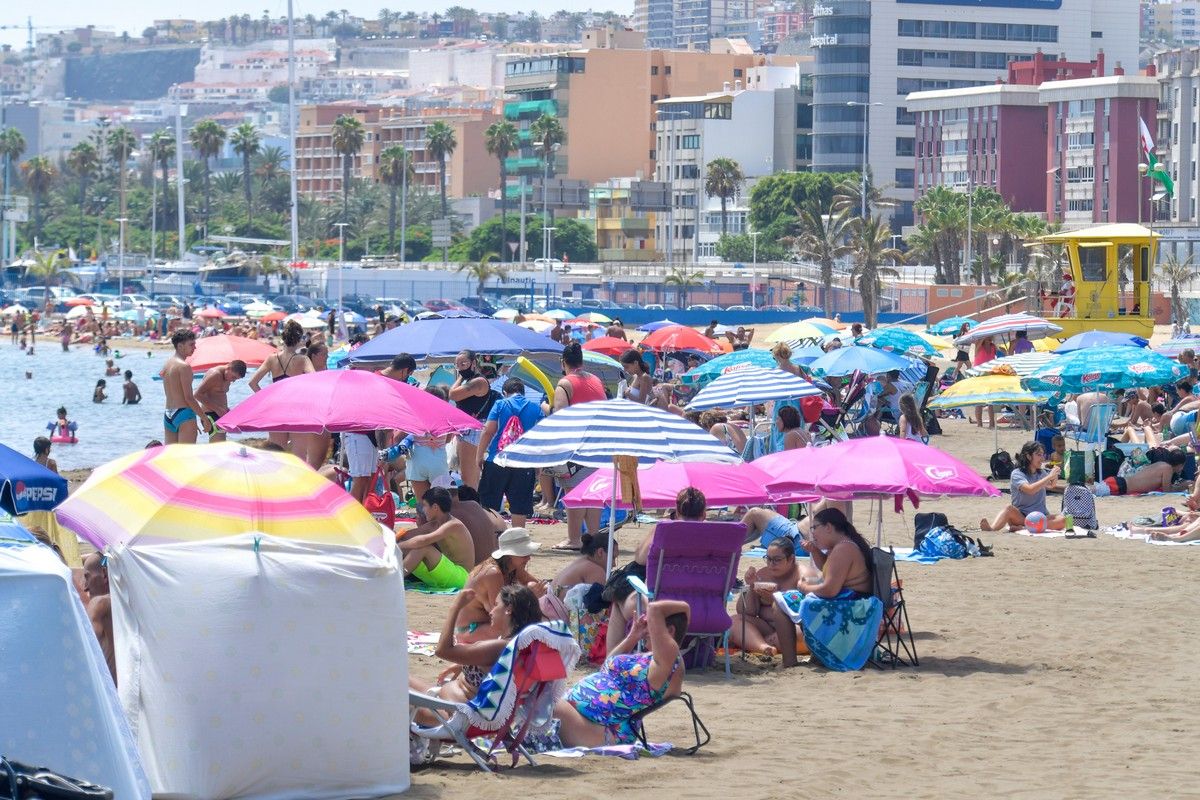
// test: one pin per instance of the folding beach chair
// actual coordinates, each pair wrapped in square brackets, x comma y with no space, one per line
[1095,437]
[895,645]
[698,727]
[833,428]
[517,697]
[697,562]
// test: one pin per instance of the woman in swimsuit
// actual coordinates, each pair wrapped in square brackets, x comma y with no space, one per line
[640,383]
[717,423]
[287,363]
[841,554]
[789,423]
[506,567]
[470,393]
[591,564]
[598,709]
[515,608]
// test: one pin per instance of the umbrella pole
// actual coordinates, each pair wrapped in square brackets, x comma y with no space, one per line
[612,524]
[995,430]
[879,524]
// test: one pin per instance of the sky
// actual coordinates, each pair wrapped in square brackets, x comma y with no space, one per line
[136,15]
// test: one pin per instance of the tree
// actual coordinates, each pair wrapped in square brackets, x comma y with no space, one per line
[723,179]
[121,143]
[51,268]
[823,239]
[247,143]
[395,169]
[12,147]
[278,94]
[270,163]
[1176,273]
[740,247]
[149,33]
[685,281]
[162,150]
[349,133]
[546,132]
[872,244]
[440,143]
[775,198]
[573,240]
[484,269]
[207,138]
[84,162]
[500,139]
[38,173]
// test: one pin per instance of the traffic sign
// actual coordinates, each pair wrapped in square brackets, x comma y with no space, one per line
[440,232]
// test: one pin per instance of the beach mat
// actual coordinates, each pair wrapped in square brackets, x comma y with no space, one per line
[422,643]
[630,752]
[414,585]
[1121,533]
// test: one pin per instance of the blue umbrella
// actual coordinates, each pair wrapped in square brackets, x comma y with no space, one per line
[451,313]
[848,360]
[950,327]
[897,340]
[445,338]
[650,327]
[1105,368]
[26,485]
[1082,341]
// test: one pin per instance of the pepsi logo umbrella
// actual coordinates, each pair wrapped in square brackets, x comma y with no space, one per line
[1106,368]
[1008,324]
[751,385]
[26,485]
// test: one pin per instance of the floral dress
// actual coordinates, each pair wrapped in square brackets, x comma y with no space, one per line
[621,689]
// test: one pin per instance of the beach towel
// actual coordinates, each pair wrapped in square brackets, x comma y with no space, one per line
[1121,532]
[422,643]
[840,631]
[912,556]
[630,752]
[414,585]
[492,705]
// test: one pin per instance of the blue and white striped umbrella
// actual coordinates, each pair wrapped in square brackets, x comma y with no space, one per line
[751,385]
[590,434]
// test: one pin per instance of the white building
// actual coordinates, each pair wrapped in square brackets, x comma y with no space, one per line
[264,62]
[453,66]
[879,51]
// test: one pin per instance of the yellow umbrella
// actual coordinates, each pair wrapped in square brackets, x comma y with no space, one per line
[940,342]
[1047,344]
[987,390]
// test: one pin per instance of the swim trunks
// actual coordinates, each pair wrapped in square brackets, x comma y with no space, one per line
[214,416]
[1116,485]
[446,575]
[173,418]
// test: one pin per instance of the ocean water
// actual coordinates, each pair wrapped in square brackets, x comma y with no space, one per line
[106,430]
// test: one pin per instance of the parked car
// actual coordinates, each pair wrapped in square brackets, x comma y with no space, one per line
[788,309]
[230,306]
[816,310]
[35,297]
[135,300]
[591,304]
[703,307]
[479,304]
[553,264]
[168,301]
[660,307]
[291,303]
[739,308]
[440,304]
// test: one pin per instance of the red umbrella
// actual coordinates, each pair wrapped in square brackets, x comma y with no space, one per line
[608,345]
[216,351]
[274,316]
[211,313]
[80,301]
[680,337]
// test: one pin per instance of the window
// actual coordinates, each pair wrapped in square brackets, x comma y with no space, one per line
[803,147]
[905,146]
[1097,34]
[908,58]
[653,69]
[737,72]
[962,30]
[804,115]
[668,69]
[904,179]
[690,142]
[1083,204]
[689,171]
[905,117]
[835,114]
[1081,141]
[1081,174]
[848,84]
[962,59]
[909,27]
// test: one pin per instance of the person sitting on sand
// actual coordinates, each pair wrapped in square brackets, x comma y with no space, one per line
[1029,483]
[514,609]
[506,567]
[440,554]
[1188,530]
[758,625]
[598,710]
[591,564]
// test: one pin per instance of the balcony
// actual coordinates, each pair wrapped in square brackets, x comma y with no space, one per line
[517,164]
[530,109]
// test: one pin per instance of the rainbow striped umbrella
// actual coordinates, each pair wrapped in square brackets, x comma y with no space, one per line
[182,493]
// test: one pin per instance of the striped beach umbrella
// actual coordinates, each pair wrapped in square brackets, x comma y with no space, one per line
[1008,324]
[899,340]
[988,390]
[730,362]
[1022,366]
[591,434]
[187,493]
[1173,347]
[751,385]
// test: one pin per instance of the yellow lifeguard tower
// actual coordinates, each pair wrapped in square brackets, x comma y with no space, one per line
[1111,267]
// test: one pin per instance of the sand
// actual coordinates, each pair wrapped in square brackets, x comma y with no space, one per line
[1057,668]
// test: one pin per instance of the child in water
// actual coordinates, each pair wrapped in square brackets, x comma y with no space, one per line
[62,427]
[98,395]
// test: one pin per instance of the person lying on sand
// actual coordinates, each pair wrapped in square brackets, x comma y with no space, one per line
[1157,477]
[1188,529]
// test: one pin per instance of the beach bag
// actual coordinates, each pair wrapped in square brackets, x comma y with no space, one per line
[22,782]
[513,430]
[1001,465]
[1080,503]
[1075,468]
[1110,462]
[924,522]
[380,503]
[948,542]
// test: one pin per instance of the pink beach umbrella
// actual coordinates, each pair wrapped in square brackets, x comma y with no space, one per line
[873,467]
[346,400]
[722,485]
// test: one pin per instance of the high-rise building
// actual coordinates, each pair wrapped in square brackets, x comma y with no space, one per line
[871,54]
[697,22]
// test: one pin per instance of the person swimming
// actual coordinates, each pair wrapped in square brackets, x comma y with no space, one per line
[98,395]
[62,429]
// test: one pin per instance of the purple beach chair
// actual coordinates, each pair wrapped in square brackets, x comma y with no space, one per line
[697,562]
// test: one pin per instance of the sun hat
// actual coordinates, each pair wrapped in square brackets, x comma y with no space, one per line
[515,542]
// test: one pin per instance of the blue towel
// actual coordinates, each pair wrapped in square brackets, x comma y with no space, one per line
[840,632]
[916,557]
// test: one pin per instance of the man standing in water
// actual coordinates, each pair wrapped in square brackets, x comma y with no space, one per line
[213,393]
[183,413]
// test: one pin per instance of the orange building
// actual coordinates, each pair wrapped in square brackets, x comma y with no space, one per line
[470,170]
[605,100]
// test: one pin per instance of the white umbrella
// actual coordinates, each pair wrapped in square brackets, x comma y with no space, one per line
[507,313]
[1022,365]
[751,385]
[258,309]
[307,321]
[1008,324]
[558,313]
[537,325]
[14,309]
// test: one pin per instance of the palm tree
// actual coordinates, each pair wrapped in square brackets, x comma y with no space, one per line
[547,132]
[395,170]
[121,143]
[685,281]
[823,239]
[349,133]
[848,195]
[873,245]
[51,268]
[1176,273]
[207,138]
[500,139]
[270,163]
[483,270]
[162,150]
[943,212]
[12,147]
[84,161]
[38,173]
[246,143]
[723,179]
[440,143]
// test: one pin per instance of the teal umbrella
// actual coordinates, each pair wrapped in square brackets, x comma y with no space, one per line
[897,340]
[1104,369]
[951,327]
[738,359]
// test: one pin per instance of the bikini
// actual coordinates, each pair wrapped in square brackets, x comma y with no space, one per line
[284,367]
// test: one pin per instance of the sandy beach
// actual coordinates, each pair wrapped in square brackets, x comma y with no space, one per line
[1057,668]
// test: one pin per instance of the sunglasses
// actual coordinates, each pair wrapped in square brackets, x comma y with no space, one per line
[774,559]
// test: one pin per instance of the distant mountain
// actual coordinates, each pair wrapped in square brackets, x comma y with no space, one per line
[132,75]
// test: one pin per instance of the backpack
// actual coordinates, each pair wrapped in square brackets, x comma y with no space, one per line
[513,430]
[1080,503]
[925,522]
[932,426]
[1001,464]
[947,541]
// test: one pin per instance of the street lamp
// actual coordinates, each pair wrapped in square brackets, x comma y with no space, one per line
[670,115]
[866,107]
[121,257]
[341,226]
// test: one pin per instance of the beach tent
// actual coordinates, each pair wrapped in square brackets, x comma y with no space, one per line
[60,707]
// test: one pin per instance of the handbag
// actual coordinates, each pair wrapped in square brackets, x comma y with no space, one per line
[380,502]
[22,782]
